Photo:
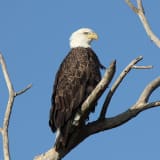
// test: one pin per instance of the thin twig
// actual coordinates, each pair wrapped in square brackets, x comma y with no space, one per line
[23,90]
[142,67]
[132,6]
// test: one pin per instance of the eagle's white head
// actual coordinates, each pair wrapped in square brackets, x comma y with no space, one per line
[82,38]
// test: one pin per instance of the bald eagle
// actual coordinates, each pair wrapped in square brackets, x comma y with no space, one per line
[76,78]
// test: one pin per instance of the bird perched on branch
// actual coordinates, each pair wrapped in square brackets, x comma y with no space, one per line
[78,75]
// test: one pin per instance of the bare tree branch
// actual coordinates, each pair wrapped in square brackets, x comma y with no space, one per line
[8,109]
[152,105]
[49,155]
[23,90]
[148,91]
[12,94]
[132,6]
[142,67]
[116,84]
[140,6]
[102,124]
[6,75]
[141,105]
[141,14]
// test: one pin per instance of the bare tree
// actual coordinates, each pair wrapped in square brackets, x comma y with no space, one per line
[103,122]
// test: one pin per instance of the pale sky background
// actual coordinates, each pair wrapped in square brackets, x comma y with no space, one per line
[34,38]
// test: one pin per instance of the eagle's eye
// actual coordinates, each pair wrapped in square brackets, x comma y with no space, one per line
[86,33]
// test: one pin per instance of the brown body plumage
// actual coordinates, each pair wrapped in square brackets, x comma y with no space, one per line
[77,76]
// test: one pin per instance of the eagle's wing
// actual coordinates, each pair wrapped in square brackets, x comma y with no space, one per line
[77,77]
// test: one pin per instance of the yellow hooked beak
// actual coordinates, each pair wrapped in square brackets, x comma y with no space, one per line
[92,36]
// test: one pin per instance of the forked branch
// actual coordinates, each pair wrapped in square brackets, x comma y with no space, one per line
[139,10]
[12,95]
[104,123]
[141,105]
[120,78]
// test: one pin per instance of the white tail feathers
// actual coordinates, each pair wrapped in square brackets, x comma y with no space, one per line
[57,134]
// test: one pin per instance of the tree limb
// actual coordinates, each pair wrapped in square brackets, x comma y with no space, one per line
[141,14]
[116,84]
[102,124]
[142,67]
[51,154]
[144,97]
[132,6]
[12,94]
[141,105]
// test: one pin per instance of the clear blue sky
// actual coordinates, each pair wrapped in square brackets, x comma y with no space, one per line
[34,39]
